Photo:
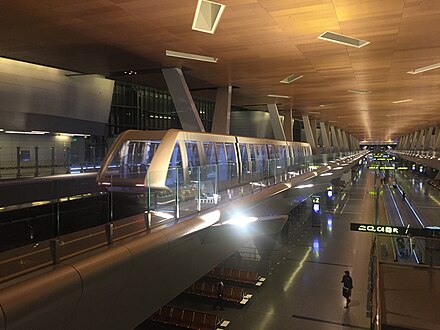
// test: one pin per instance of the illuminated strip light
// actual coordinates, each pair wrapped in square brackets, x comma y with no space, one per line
[397,209]
[189,56]
[279,96]
[342,39]
[425,68]
[403,101]
[27,132]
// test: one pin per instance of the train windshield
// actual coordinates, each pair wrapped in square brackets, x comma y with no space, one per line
[132,160]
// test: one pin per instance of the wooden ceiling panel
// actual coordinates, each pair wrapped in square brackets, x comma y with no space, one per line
[258,43]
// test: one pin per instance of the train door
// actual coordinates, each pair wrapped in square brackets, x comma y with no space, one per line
[245,165]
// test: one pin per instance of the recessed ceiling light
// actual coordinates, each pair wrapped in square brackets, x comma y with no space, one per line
[291,79]
[425,68]
[359,91]
[314,113]
[279,96]
[403,101]
[207,16]
[344,40]
[189,56]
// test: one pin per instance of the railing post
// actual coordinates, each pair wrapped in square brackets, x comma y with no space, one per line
[52,160]
[109,233]
[199,204]
[176,206]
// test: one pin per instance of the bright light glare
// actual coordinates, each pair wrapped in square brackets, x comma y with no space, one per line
[162,215]
[240,221]
[211,217]
[304,186]
[338,168]
[326,174]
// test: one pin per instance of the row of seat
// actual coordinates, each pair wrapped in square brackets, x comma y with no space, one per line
[234,275]
[186,318]
[209,289]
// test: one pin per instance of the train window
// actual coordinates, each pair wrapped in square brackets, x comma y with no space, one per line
[244,158]
[175,167]
[193,153]
[176,157]
[232,159]
[271,149]
[209,149]
[221,153]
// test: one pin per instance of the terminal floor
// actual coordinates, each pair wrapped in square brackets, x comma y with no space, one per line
[422,196]
[304,268]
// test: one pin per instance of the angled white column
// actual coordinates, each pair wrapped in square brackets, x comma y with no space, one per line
[275,121]
[288,125]
[345,140]
[436,145]
[420,139]
[182,99]
[325,138]
[428,139]
[308,130]
[414,141]
[340,141]
[335,141]
[410,141]
[315,131]
[222,112]
[402,142]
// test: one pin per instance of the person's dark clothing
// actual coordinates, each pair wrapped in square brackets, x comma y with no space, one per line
[347,287]
[219,301]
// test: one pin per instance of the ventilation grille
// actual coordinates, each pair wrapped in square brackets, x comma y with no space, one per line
[291,78]
[341,39]
[207,16]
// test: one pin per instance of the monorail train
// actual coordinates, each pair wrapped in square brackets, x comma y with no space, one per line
[164,159]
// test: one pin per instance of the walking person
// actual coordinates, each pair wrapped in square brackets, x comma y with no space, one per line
[403,195]
[347,287]
[219,301]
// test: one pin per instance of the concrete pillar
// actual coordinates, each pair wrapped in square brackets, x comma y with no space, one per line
[335,141]
[340,141]
[420,139]
[308,130]
[435,145]
[414,141]
[275,121]
[325,138]
[182,99]
[222,112]
[345,140]
[428,139]
[288,125]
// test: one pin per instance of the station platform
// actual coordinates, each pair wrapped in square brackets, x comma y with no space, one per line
[304,266]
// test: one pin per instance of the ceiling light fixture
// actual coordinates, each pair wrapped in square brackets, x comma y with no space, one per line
[425,68]
[359,91]
[341,39]
[403,101]
[279,96]
[291,78]
[207,16]
[189,56]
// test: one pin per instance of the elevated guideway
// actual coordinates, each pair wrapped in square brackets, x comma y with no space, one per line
[102,285]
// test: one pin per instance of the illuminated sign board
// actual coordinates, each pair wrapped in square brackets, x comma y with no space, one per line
[393,230]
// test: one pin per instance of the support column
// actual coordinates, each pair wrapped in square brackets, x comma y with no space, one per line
[345,140]
[340,141]
[325,138]
[275,121]
[436,145]
[222,112]
[420,139]
[182,99]
[414,141]
[428,139]
[308,130]
[288,125]
[334,139]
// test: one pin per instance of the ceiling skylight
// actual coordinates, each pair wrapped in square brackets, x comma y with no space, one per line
[189,56]
[207,16]
[344,40]
[425,68]
[291,78]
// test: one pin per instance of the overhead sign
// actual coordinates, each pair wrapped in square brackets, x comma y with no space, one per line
[393,230]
